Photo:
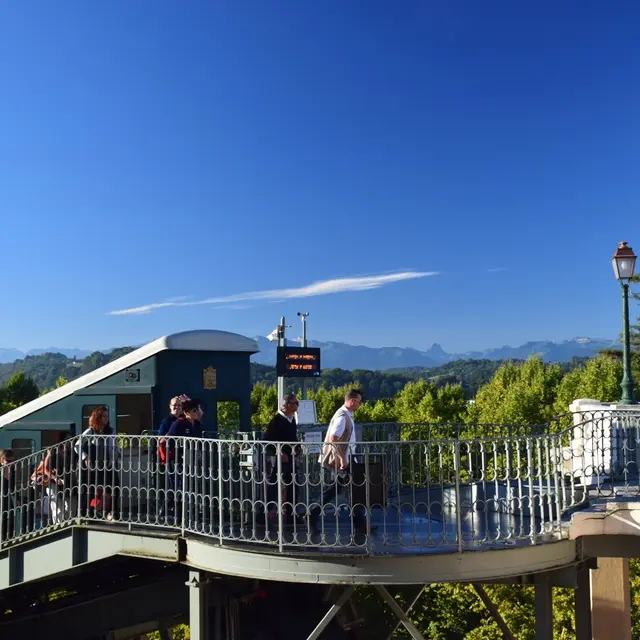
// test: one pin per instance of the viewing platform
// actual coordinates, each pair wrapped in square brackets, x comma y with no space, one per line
[537,504]
[466,508]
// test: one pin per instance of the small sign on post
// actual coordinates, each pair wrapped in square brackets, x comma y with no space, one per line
[306,413]
[314,440]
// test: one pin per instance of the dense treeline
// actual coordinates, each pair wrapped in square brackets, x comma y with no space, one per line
[47,368]
[530,392]
[469,374]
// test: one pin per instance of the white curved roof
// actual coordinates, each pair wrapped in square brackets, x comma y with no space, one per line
[201,340]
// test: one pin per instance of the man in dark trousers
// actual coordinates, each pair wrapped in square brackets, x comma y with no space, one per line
[282,428]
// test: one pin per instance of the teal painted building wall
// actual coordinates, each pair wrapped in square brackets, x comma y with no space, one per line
[138,396]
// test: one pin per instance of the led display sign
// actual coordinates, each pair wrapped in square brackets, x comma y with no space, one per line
[298,362]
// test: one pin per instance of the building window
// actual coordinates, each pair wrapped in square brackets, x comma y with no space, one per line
[22,447]
[49,438]
[133,413]
[87,410]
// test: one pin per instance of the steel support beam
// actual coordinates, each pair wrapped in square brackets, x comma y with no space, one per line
[544,608]
[198,605]
[330,615]
[583,604]
[161,600]
[395,607]
[407,611]
[493,610]
[565,577]
[610,546]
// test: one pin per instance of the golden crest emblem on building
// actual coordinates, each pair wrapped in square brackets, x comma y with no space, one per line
[209,378]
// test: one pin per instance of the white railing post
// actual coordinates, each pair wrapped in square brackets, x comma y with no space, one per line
[220,494]
[532,509]
[183,474]
[4,515]
[80,463]
[456,456]
[557,476]
[280,505]
[367,484]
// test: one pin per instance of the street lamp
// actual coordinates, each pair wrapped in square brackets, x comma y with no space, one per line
[624,263]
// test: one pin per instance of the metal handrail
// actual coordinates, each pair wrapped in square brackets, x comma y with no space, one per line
[448,493]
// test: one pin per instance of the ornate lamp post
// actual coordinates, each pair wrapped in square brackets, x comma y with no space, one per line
[624,263]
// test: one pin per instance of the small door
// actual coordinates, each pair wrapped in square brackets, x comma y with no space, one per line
[89,403]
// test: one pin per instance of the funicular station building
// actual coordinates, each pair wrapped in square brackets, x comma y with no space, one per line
[124,538]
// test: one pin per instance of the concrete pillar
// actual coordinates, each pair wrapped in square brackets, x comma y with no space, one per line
[611,600]
[198,605]
[544,608]
[583,603]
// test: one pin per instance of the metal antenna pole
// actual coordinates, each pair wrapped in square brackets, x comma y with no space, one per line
[303,317]
[282,342]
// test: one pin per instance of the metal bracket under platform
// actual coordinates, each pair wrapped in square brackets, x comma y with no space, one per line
[386,596]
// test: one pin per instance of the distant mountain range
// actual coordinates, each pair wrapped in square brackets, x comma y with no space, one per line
[11,355]
[345,356]
[338,355]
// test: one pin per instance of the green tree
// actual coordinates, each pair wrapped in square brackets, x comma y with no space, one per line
[599,379]
[179,632]
[18,390]
[422,402]
[94,361]
[384,410]
[328,401]
[228,416]
[518,394]
[264,404]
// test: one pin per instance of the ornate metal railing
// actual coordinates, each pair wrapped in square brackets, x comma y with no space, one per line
[397,496]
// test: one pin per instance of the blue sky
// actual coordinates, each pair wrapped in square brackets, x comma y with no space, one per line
[156,152]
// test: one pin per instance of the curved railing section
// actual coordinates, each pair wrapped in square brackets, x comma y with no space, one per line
[397,496]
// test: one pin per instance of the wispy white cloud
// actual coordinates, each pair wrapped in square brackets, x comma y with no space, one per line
[178,299]
[497,270]
[322,288]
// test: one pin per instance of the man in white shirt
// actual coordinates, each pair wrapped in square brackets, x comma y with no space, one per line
[338,452]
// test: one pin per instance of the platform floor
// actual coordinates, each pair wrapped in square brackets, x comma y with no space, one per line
[402,534]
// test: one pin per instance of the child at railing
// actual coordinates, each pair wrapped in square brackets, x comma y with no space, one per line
[59,470]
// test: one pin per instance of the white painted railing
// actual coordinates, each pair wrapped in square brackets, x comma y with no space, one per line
[396,496]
